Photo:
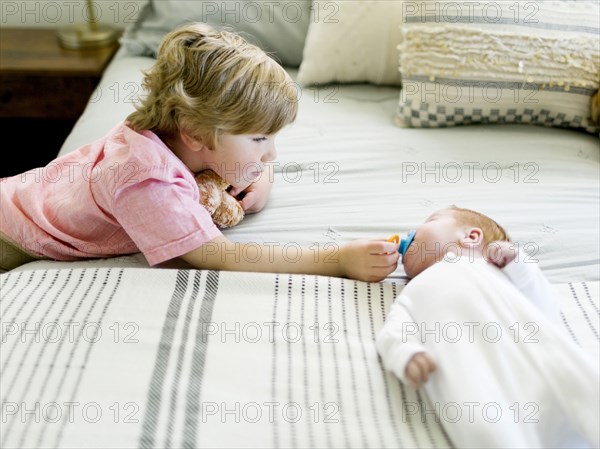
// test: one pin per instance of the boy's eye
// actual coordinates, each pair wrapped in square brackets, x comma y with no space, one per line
[259,139]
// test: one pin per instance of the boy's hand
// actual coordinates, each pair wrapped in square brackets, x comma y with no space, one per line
[418,369]
[368,260]
[254,198]
[501,253]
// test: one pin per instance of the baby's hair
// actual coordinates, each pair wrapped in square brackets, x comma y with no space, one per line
[492,231]
[207,82]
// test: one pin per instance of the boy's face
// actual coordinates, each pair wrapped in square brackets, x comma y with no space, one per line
[439,234]
[240,159]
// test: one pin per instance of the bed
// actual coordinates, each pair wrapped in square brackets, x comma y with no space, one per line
[113,353]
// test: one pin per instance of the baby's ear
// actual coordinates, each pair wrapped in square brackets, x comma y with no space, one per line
[472,238]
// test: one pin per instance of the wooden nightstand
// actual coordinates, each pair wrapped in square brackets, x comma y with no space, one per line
[43,91]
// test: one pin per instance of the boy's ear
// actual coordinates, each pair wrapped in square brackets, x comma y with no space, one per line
[191,143]
[472,238]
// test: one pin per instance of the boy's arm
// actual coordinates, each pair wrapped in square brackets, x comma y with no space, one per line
[364,260]
[399,341]
[527,277]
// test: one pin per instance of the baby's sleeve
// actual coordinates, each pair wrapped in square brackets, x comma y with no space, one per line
[529,279]
[399,339]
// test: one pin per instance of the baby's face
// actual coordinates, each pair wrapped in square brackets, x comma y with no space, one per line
[434,238]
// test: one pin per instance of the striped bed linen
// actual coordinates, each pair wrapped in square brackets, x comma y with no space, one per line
[140,358]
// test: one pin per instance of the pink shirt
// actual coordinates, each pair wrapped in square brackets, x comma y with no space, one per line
[124,193]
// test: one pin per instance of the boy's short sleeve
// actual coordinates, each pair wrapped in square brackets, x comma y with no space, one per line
[163,218]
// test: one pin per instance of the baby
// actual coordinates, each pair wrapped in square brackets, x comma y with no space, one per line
[477,326]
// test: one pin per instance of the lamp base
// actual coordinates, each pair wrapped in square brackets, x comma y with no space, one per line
[80,37]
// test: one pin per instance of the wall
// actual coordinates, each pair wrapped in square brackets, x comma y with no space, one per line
[57,13]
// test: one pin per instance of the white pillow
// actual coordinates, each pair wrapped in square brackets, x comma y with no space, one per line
[278,27]
[499,62]
[352,41]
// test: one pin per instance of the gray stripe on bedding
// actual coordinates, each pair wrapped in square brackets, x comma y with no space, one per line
[26,300]
[57,351]
[332,326]
[381,369]
[583,311]
[364,358]
[6,431]
[4,282]
[586,289]
[25,324]
[39,355]
[196,375]
[154,397]
[423,406]
[322,398]
[290,398]
[180,359]
[88,351]
[303,325]
[56,394]
[6,294]
[358,414]
[388,396]
[274,362]
[569,329]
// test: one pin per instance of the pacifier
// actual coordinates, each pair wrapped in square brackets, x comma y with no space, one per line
[404,242]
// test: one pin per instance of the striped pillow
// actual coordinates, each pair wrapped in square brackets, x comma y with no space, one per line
[535,62]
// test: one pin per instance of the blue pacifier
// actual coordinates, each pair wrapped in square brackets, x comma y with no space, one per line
[406,241]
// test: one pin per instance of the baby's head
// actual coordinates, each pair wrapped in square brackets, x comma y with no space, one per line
[453,229]
[207,83]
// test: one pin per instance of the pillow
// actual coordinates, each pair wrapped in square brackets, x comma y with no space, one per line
[499,62]
[278,27]
[352,41]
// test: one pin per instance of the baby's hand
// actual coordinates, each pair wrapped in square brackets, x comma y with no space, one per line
[368,260]
[418,369]
[501,253]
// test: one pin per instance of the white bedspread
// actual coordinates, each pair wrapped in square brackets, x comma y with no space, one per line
[113,357]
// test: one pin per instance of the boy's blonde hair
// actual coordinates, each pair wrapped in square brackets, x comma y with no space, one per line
[492,231]
[207,82]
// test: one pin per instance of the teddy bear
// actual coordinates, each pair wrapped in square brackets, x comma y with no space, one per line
[226,211]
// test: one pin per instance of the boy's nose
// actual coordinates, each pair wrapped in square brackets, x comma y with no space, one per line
[270,155]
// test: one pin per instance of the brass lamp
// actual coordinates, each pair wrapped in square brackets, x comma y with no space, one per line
[88,35]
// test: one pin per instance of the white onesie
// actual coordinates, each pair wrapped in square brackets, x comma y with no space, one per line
[508,375]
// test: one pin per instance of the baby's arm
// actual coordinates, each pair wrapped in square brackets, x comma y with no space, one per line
[418,369]
[527,277]
[364,260]
[401,350]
